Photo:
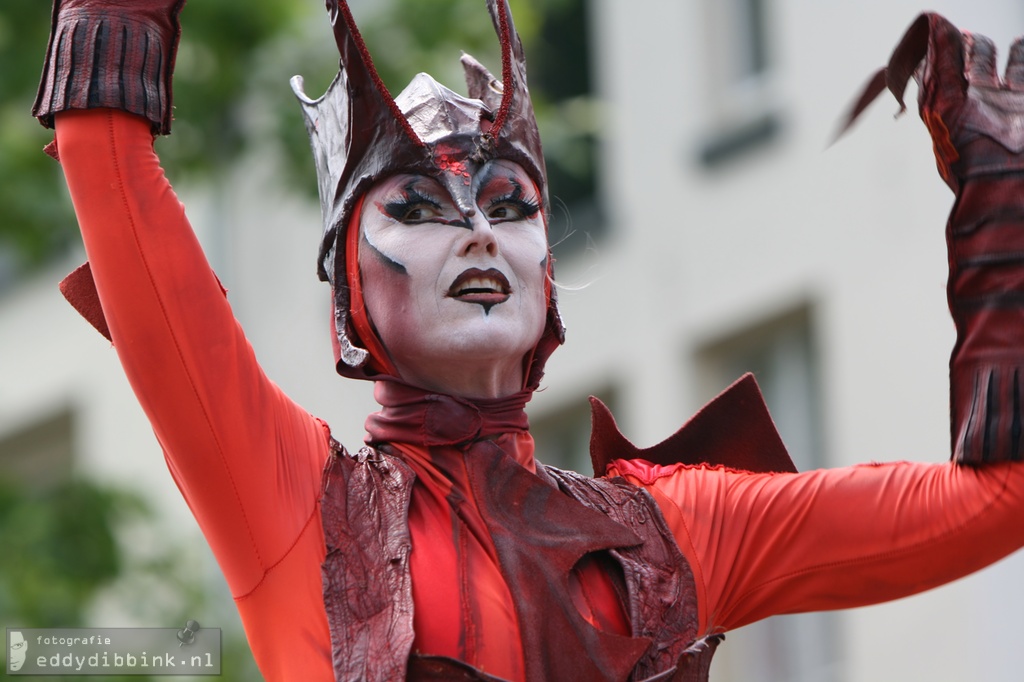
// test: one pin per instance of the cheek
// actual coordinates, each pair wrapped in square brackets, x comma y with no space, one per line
[385,283]
[529,257]
[379,249]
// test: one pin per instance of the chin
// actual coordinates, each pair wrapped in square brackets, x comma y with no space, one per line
[466,341]
[496,342]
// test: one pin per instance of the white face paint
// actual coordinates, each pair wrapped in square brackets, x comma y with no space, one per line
[457,300]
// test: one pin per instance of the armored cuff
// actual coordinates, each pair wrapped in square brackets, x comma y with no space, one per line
[976,120]
[102,55]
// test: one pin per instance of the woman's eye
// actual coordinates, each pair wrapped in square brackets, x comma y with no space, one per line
[506,210]
[413,212]
[419,213]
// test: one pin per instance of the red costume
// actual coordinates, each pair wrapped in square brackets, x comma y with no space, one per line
[250,464]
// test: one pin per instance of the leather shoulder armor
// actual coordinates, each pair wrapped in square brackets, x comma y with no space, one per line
[662,591]
[366,577]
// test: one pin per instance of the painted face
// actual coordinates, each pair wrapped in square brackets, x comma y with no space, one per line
[456,299]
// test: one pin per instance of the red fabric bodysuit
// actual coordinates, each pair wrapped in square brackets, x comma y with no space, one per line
[249,461]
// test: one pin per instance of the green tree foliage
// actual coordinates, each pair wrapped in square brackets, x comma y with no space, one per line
[221,48]
[221,41]
[31,204]
[64,544]
[59,549]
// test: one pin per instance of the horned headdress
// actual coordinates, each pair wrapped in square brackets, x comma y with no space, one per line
[361,135]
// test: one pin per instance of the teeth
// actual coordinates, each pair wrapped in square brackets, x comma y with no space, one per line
[479,283]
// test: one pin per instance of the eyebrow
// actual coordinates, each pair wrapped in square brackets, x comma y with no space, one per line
[391,205]
[490,176]
[424,187]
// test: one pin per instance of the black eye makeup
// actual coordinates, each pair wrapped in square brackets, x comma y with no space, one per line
[513,204]
[411,207]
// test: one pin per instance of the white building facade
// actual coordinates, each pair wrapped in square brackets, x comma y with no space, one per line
[735,239]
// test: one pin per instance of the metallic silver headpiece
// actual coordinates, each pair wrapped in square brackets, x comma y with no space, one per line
[361,135]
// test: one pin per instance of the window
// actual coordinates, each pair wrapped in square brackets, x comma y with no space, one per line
[562,436]
[738,72]
[780,351]
[751,29]
[568,114]
[39,455]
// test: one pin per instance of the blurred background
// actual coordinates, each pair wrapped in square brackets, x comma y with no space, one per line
[703,227]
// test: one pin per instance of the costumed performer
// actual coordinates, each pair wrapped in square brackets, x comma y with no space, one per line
[442,549]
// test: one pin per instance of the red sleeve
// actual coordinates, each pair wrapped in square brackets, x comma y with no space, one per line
[765,544]
[246,458]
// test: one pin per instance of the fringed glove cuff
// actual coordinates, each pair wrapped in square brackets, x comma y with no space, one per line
[112,54]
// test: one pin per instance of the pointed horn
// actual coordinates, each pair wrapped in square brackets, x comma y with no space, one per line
[514,130]
[481,83]
[1015,66]
[513,63]
[362,75]
[929,36]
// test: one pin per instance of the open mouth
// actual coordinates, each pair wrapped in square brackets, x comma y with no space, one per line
[486,287]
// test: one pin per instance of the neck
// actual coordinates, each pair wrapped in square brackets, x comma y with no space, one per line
[413,415]
[488,379]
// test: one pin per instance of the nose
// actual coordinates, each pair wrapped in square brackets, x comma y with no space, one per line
[480,239]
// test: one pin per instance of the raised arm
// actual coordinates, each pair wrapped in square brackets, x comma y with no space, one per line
[246,458]
[765,544]
[976,120]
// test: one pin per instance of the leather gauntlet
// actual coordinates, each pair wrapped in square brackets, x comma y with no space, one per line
[111,53]
[976,122]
